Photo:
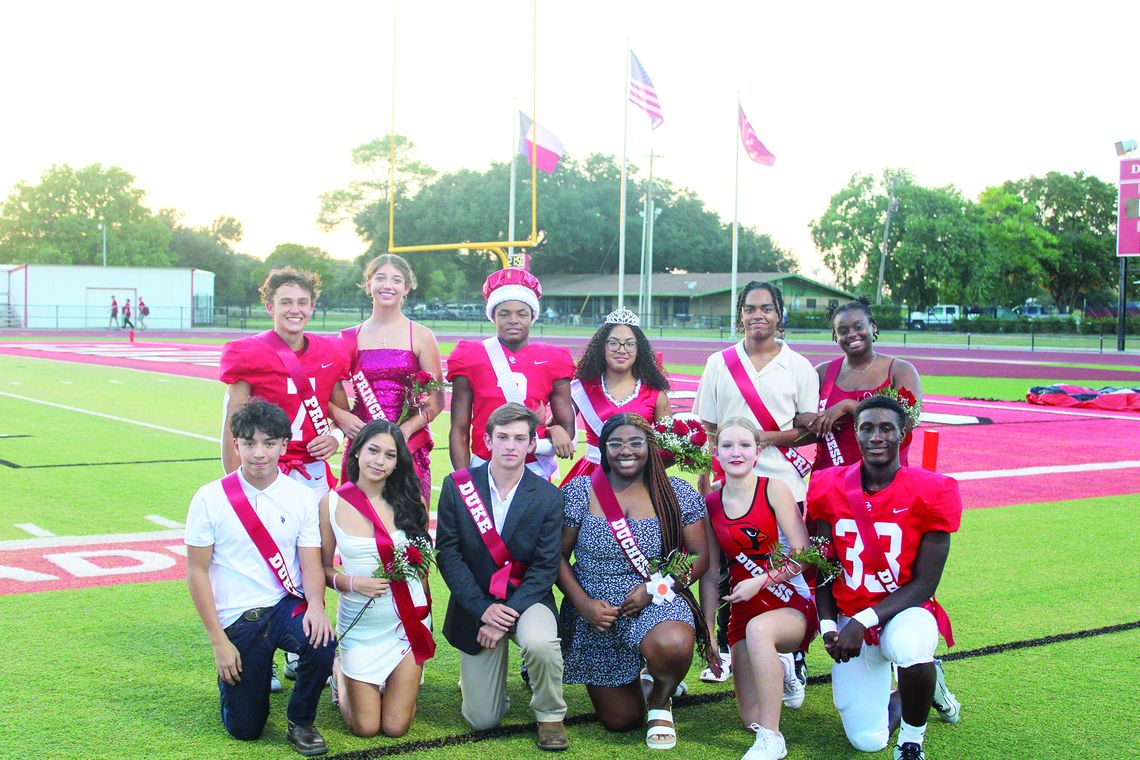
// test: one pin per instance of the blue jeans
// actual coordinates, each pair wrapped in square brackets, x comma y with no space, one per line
[245,705]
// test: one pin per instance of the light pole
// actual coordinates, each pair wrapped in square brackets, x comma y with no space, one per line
[1126,240]
[103,227]
[892,208]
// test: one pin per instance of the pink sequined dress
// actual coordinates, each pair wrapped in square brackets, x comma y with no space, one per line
[387,371]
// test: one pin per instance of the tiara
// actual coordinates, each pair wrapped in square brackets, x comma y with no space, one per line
[623,317]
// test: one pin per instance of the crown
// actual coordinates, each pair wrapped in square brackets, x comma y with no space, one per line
[623,317]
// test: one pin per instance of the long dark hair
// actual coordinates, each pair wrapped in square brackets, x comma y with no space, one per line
[592,362]
[401,488]
[665,507]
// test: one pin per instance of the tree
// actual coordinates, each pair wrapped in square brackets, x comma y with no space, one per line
[850,231]
[57,221]
[1017,250]
[1080,213]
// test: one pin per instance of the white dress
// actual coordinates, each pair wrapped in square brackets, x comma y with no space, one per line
[377,643]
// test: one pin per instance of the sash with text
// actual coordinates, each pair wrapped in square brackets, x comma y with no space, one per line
[509,571]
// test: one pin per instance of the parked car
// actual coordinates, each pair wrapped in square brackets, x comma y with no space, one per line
[938,317]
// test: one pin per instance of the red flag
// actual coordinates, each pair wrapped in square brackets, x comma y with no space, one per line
[752,145]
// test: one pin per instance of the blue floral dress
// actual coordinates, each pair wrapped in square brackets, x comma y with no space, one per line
[613,658]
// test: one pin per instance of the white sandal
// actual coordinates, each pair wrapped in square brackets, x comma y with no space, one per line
[655,736]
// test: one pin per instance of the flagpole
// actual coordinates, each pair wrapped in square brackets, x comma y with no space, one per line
[511,201]
[621,194]
[735,222]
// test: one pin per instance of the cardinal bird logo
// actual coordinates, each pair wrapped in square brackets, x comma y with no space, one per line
[755,536]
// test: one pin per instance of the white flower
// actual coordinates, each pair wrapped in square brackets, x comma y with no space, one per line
[660,587]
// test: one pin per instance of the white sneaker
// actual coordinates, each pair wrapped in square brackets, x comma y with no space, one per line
[793,686]
[291,665]
[768,745]
[274,681]
[334,692]
[725,670]
[948,707]
[681,690]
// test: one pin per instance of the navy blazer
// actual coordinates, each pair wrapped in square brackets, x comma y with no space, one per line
[532,533]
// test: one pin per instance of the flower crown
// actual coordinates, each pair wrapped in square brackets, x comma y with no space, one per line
[623,317]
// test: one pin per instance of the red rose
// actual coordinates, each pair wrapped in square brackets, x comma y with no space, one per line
[414,555]
[699,437]
[680,428]
[423,377]
[906,398]
[668,458]
[659,427]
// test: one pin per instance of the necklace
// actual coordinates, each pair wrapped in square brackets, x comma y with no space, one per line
[624,401]
[866,369]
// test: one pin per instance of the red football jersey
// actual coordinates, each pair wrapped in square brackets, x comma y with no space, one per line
[915,503]
[251,360]
[535,367]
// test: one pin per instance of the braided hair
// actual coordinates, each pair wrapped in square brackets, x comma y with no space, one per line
[592,362]
[863,303]
[665,507]
[777,299]
[402,487]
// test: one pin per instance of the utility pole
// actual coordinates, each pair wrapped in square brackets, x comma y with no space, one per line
[650,218]
[892,208]
[103,227]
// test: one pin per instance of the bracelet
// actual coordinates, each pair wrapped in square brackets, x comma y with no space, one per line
[338,434]
[827,626]
[350,585]
[867,617]
[338,572]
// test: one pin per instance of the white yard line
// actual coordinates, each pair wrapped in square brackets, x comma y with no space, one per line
[33,529]
[111,538]
[1033,408]
[164,522]
[1046,470]
[112,417]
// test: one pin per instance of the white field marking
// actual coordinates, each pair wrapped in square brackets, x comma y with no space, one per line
[66,382]
[164,522]
[1036,409]
[13,382]
[110,538]
[113,418]
[1021,472]
[116,382]
[949,419]
[33,529]
[437,488]
[164,373]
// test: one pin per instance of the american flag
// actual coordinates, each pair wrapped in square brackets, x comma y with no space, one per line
[642,93]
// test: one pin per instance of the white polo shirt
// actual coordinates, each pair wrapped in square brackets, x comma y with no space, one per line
[239,576]
[788,385]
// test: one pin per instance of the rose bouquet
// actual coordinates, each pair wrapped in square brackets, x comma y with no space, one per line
[682,442]
[906,399]
[418,388]
[411,561]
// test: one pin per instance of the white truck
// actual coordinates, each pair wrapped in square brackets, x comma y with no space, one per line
[938,317]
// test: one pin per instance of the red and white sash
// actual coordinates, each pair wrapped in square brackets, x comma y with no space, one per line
[544,451]
[587,405]
[266,546]
[419,635]
[509,571]
[619,524]
[875,559]
[305,390]
[756,404]
[831,446]
[366,397]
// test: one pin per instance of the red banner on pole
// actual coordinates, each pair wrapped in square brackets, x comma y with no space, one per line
[1128,221]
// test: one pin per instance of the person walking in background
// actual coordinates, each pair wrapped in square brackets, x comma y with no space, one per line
[127,323]
[113,322]
[144,312]
[385,353]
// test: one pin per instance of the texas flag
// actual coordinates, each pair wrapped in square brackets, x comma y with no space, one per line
[549,148]
[752,145]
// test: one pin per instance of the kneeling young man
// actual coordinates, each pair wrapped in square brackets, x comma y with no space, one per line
[499,535]
[890,526]
[252,541]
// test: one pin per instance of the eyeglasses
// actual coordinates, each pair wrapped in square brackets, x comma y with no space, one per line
[634,444]
[613,345]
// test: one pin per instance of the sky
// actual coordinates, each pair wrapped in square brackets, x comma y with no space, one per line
[251,109]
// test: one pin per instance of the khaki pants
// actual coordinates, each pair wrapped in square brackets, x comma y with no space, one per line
[483,676]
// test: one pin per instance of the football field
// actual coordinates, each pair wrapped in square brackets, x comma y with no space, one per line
[107,658]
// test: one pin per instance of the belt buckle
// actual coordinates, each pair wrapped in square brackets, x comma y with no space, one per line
[255,614]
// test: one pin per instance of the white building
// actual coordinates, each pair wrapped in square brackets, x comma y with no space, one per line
[71,297]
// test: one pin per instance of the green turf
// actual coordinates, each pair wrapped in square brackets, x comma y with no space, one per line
[118,671]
